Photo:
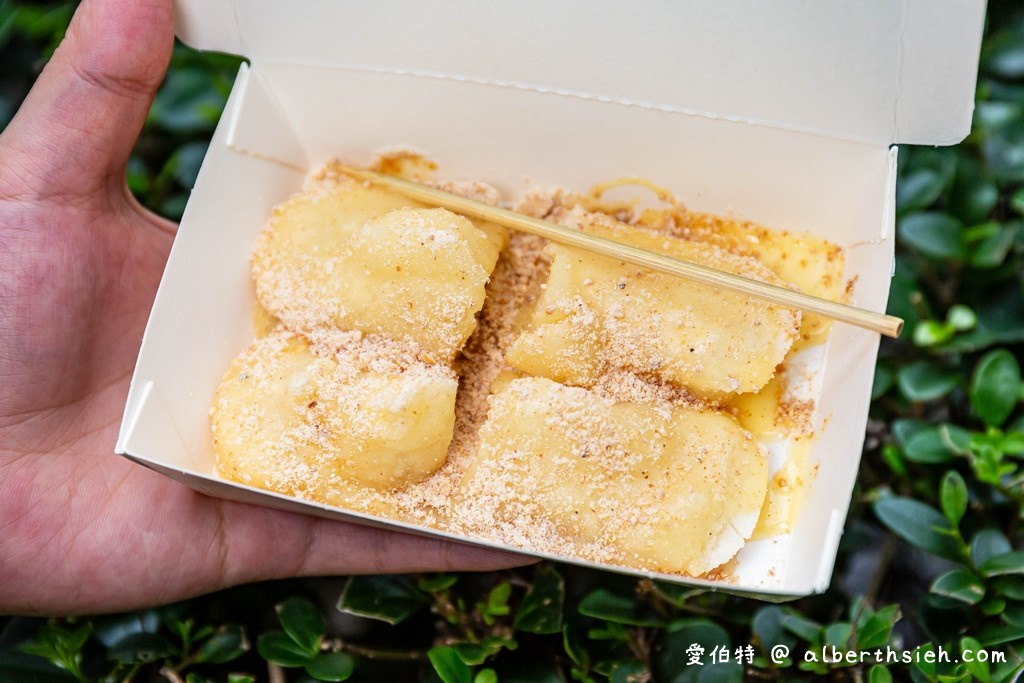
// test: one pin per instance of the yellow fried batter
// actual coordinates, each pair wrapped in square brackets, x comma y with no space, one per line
[604,436]
[662,487]
[291,421]
[347,256]
[598,314]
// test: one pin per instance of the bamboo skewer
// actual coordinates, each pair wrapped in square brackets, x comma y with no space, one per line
[882,323]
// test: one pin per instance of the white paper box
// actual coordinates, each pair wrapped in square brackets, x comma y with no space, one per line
[781,112]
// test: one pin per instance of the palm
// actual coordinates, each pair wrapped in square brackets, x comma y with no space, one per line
[81,529]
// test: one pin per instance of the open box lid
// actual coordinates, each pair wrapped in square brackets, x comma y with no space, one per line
[880,71]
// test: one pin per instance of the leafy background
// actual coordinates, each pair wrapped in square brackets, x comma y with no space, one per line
[931,556]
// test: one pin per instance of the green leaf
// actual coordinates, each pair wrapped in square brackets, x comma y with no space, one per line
[876,630]
[279,648]
[141,648]
[112,628]
[303,622]
[923,663]
[839,635]
[1010,586]
[1003,55]
[927,446]
[61,647]
[1003,150]
[182,629]
[73,641]
[933,234]
[953,497]
[801,626]
[475,654]
[925,381]
[331,666]
[987,544]
[1012,443]
[24,667]
[574,648]
[1013,613]
[892,457]
[879,674]
[174,207]
[437,583]
[1004,565]
[449,666]
[228,643]
[991,636]
[1017,201]
[677,594]
[628,672]
[931,333]
[722,672]
[619,609]
[1010,672]
[184,164]
[919,525]
[497,599]
[992,605]
[960,585]
[956,439]
[541,609]
[241,678]
[990,252]
[680,635]
[883,381]
[905,297]
[961,318]
[973,195]
[187,102]
[918,190]
[391,599]
[486,676]
[1000,313]
[995,386]
[979,670]
[988,463]
[767,625]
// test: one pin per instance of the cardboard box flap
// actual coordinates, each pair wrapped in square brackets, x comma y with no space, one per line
[882,71]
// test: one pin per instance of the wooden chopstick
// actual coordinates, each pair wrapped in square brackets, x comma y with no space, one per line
[882,323]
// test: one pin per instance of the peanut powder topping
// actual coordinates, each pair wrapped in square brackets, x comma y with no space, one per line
[443,372]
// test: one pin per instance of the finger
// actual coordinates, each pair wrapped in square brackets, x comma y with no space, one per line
[75,131]
[306,546]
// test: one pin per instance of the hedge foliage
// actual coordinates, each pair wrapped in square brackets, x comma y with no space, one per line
[931,559]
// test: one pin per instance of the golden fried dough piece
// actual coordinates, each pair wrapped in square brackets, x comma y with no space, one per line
[651,485]
[290,421]
[347,256]
[596,314]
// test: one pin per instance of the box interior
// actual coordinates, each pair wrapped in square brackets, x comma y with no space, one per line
[202,317]
[781,113]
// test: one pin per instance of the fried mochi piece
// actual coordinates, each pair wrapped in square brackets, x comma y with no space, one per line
[357,413]
[650,485]
[352,400]
[346,256]
[596,314]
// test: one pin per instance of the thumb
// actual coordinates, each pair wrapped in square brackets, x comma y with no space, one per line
[74,133]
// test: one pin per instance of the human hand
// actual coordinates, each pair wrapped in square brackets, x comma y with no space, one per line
[82,530]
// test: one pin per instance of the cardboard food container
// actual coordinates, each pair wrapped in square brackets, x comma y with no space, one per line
[785,113]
